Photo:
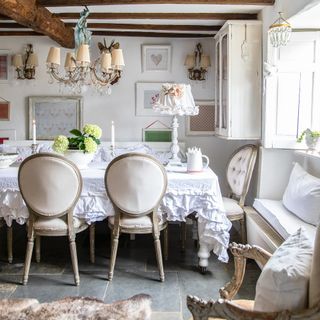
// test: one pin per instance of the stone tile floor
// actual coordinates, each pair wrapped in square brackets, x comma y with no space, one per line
[135,272]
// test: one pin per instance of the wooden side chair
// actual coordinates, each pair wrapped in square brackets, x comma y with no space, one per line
[238,173]
[228,309]
[135,184]
[51,186]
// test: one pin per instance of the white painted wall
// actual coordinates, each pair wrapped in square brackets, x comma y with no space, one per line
[120,105]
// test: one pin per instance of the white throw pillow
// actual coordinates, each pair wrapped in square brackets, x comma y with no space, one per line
[302,195]
[283,283]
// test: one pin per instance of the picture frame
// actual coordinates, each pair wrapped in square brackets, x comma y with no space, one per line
[156,58]
[4,65]
[202,124]
[146,94]
[7,134]
[55,115]
[4,110]
[157,135]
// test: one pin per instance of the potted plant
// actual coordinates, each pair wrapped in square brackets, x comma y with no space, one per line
[81,147]
[311,138]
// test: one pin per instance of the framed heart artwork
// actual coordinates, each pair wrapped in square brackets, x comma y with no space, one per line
[156,58]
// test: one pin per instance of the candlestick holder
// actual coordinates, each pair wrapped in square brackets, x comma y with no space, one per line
[112,149]
[34,148]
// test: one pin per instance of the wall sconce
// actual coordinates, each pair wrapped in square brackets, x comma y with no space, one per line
[26,64]
[197,64]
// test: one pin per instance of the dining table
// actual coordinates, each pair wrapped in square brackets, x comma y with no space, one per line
[187,193]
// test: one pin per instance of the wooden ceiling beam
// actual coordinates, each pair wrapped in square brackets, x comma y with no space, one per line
[160,16]
[63,3]
[118,33]
[124,26]
[40,19]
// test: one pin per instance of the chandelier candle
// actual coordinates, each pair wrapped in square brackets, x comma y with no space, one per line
[34,132]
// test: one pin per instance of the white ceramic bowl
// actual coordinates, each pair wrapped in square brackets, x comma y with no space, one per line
[6,159]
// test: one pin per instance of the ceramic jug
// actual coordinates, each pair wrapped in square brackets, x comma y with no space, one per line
[194,160]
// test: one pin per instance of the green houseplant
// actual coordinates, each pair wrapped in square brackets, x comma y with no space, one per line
[311,138]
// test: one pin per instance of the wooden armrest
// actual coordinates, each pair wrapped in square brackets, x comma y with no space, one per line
[202,310]
[241,253]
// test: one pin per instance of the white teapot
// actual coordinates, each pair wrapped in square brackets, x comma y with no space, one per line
[194,160]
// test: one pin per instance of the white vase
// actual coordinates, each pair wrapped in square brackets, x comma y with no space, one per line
[80,158]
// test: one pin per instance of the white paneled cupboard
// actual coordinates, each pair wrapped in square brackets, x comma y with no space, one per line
[238,54]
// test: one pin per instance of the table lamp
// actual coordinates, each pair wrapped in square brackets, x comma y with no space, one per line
[175,99]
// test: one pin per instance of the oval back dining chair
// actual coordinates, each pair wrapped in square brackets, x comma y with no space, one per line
[238,173]
[135,184]
[51,186]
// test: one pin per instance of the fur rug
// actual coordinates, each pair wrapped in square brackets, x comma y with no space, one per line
[75,308]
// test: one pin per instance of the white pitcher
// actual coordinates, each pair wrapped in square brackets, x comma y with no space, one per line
[194,160]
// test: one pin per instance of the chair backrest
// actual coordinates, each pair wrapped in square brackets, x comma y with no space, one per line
[50,184]
[135,183]
[239,171]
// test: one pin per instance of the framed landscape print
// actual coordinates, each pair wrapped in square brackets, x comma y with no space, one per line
[156,58]
[202,124]
[55,115]
[146,94]
[4,110]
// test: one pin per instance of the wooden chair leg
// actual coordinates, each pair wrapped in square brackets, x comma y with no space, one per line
[195,235]
[114,250]
[183,236]
[74,260]
[9,244]
[157,246]
[92,232]
[165,243]
[38,248]
[28,259]
[243,232]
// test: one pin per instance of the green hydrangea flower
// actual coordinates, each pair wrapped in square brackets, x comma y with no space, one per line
[60,144]
[90,145]
[92,130]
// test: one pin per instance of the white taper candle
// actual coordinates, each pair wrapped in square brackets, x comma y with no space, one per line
[34,132]
[112,134]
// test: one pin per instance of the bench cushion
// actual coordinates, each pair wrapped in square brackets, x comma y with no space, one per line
[280,218]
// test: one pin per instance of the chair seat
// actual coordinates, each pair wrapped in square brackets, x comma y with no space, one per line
[58,225]
[232,207]
[142,222]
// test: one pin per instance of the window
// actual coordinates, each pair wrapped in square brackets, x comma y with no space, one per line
[292,91]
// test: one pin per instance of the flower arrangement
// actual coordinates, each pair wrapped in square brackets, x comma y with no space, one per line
[87,140]
[311,138]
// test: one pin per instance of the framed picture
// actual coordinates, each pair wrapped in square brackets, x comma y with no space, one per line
[4,65]
[7,134]
[4,110]
[156,58]
[157,135]
[146,94]
[202,124]
[55,115]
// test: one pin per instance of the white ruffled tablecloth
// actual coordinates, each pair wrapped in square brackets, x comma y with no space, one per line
[186,193]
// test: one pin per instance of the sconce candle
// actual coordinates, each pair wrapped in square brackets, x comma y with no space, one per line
[26,64]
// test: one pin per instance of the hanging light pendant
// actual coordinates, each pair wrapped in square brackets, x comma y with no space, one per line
[280,32]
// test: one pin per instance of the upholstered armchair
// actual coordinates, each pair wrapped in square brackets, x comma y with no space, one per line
[226,308]
[51,186]
[238,173]
[135,184]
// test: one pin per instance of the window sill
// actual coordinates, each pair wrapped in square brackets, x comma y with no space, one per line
[309,154]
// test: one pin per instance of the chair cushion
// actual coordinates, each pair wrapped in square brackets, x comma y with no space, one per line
[57,224]
[302,195]
[314,287]
[283,283]
[138,222]
[231,206]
